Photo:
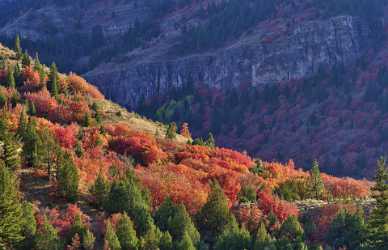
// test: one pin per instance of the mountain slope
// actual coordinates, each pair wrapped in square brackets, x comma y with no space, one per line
[305,66]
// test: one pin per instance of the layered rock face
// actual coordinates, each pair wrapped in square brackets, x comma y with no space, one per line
[267,56]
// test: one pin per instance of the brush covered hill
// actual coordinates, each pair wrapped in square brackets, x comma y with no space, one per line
[79,172]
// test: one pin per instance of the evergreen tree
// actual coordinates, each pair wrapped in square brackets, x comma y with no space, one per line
[126,233]
[214,216]
[31,145]
[233,238]
[166,242]
[11,213]
[263,239]
[175,219]
[31,109]
[211,142]
[10,78]
[68,178]
[26,60]
[377,237]
[18,48]
[346,231]
[17,75]
[100,189]
[185,243]
[111,240]
[127,195]
[29,225]
[47,237]
[152,239]
[88,240]
[53,81]
[291,235]
[11,152]
[171,131]
[316,184]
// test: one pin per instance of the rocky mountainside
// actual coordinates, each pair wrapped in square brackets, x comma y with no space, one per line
[289,54]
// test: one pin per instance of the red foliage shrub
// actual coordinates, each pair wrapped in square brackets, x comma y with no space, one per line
[66,136]
[142,147]
[281,209]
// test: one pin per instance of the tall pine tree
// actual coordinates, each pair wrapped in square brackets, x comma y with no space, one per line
[378,222]
[53,81]
[317,188]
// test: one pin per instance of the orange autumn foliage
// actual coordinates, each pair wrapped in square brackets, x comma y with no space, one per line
[80,85]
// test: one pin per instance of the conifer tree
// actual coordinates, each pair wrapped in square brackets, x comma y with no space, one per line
[26,60]
[11,152]
[263,239]
[233,237]
[166,241]
[32,144]
[11,213]
[18,48]
[10,78]
[111,240]
[185,243]
[214,216]
[127,195]
[152,239]
[68,178]
[211,142]
[17,74]
[126,233]
[317,187]
[291,234]
[47,237]
[88,240]
[171,131]
[175,219]
[53,81]
[100,190]
[377,237]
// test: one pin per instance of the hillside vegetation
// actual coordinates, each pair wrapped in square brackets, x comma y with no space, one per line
[79,172]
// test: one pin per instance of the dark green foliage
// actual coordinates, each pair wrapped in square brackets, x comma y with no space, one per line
[111,240]
[316,186]
[31,142]
[47,237]
[11,212]
[166,242]
[11,83]
[18,47]
[346,231]
[68,178]
[26,60]
[152,239]
[171,131]
[214,216]
[127,195]
[185,243]
[53,80]
[291,234]
[100,190]
[29,225]
[233,238]
[247,194]
[126,233]
[293,189]
[377,237]
[263,239]
[175,219]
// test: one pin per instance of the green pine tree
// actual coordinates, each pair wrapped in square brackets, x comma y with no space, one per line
[377,236]
[111,240]
[100,190]
[211,142]
[88,240]
[11,213]
[166,241]
[263,239]
[18,47]
[68,178]
[233,238]
[185,243]
[316,187]
[47,237]
[171,131]
[127,195]
[53,80]
[214,216]
[126,233]
[10,78]
[31,145]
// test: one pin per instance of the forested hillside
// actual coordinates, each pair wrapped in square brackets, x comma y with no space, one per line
[79,172]
[260,75]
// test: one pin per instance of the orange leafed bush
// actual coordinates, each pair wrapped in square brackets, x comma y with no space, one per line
[80,85]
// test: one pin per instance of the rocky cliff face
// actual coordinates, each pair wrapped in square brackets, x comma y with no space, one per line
[271,54]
